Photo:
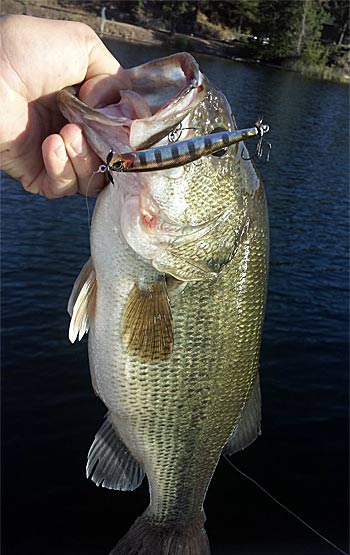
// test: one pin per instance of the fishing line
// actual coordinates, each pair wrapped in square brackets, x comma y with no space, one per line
[284,507]
[86,199]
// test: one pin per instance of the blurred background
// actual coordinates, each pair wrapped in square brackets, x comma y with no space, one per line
[49,411]
[308,36]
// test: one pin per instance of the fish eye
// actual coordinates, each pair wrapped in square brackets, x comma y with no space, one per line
[223,150]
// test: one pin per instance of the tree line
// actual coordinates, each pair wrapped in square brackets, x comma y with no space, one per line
[280,31]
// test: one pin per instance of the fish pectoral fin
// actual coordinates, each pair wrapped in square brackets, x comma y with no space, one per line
[147,324]
[248,428]
[110,464]
[82,302]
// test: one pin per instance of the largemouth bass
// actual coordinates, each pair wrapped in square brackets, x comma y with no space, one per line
[173,298]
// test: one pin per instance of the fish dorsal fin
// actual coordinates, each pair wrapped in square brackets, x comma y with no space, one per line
[110,464]
[248,428]
[147,326]
[81,304]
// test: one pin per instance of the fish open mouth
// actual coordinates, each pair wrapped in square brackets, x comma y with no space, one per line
[161,95]
[170,87]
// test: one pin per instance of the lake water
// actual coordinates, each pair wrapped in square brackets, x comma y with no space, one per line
[50,414]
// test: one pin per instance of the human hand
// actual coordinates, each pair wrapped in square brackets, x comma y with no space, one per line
[39,57]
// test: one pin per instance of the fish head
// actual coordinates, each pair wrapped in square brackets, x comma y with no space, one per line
[157,97]
[175,218]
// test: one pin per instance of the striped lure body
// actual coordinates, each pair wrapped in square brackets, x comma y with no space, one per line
[178,154]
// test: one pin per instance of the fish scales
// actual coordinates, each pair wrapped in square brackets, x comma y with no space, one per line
[180,262]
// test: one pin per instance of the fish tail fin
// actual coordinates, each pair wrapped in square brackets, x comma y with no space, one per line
[146,537]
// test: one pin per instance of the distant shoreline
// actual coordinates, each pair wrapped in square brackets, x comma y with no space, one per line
[118,30]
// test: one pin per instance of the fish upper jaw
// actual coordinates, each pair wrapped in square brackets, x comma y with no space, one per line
[172,87]
[164,92]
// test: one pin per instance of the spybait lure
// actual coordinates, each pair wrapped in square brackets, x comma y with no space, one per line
[181,153]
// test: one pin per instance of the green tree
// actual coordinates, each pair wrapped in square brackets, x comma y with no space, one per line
[339,10]
[136,8]
[293,28]
[181,14]
[247,14]
[216,12]
[237,14]
[309,47]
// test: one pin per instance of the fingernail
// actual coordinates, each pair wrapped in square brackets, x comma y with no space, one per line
[61,154]
[79,145]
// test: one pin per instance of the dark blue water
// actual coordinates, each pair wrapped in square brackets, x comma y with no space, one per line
[50,413]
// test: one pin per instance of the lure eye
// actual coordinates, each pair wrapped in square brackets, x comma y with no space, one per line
[223,150]
[117,165]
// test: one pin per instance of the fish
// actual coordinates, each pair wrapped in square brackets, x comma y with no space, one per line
[173,300]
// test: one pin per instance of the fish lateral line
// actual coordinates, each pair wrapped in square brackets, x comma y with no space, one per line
[180,153]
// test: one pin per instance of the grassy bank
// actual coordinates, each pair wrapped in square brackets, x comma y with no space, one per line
[321,72]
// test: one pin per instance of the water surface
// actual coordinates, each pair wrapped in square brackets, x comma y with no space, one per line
[50,413]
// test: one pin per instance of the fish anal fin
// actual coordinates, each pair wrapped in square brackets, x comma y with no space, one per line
[248,428]
[110,464]
[147,324]
[82,302]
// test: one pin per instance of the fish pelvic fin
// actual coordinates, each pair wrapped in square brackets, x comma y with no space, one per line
[147,324]
[146,537]
[82,302]
[110,464]
[248,428]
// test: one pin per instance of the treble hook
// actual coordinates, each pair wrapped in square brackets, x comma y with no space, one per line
[175,133]
[262,129]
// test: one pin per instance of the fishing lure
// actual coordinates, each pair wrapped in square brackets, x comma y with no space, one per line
[263,128]
[176,132]
[181,153]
